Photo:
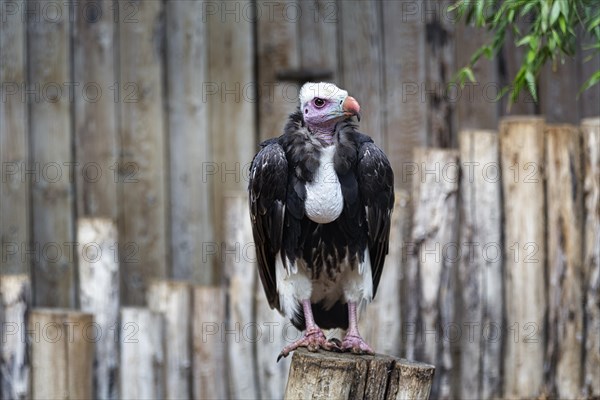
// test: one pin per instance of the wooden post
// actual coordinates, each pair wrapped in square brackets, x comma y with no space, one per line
[173,300]
[142,169]
[480,266]
[209,370]
[52,189]
[14,144]
[15,300]
[240,273]
[430,326]
[62,353]
[328,375]
[522,161]
[95,113]
[142,354]
[191,221]
[565,261]
[591,254]
[99,295]
[381,322]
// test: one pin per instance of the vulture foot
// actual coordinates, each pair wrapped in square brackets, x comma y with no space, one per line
[356,344]
[314,339]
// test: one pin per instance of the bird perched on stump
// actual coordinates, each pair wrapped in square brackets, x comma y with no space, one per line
[321,197]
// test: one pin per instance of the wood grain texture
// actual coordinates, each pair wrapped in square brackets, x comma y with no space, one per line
[590,129]
[15,300]
[405,107]
[431,264]
[231,103]
[142,354]
[318,42]
[62,354]
[52,186]
[173,301]
[327,375]
[565,261]
[14,152]
[360,49]
[558,89]
[276,48]
[239,264]
[209,354]
[480,266]
[522,159]
[439,54]
[381,322]
[95,117]
[142,192]
[99,295]
[476,105]
[191,222]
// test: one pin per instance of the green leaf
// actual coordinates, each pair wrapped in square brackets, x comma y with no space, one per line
[593,80]
[555,12]
[530,79]
[563,24]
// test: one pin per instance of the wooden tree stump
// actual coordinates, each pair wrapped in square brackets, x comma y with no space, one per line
[328,375]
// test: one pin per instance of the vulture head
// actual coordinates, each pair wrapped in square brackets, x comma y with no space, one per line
[324,104]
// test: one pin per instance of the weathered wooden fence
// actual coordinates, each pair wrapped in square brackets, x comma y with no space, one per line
[126,129]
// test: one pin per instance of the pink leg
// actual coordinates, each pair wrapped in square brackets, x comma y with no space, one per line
[313,339]
[353,341]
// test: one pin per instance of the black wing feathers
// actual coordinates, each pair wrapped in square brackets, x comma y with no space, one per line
[376,185]
[268,187]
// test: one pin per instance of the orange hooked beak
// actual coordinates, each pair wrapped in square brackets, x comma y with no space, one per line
[351,107]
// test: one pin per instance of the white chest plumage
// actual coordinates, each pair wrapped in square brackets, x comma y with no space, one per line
[324,202]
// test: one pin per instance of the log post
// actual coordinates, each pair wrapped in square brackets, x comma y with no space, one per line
[15,299]
[591,259]
[173,300]
[142,354]
[328,375]
[522,161]
[432,254]
[565,247]
[209,370]
[62,354]
[480,266]
[99,295]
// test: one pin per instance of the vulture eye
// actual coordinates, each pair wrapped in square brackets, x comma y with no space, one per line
[319,102]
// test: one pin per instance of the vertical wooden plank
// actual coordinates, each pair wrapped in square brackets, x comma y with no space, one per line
[591,257]
[142,354]
[142,168]
[405,109]
[381,322]
[522,160]
[99,295]
[189,142]
[317,37]
[558,88]
[231,100]
[50,133]
[240,271]
[274,333]
[476,106]
[14,154]
[62,354]
[15,300]
[480,266]
[95,108]
[564,209]
[439,53]
[360,49]
[276,50]
[209,370]
[173,300]
[431,264]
